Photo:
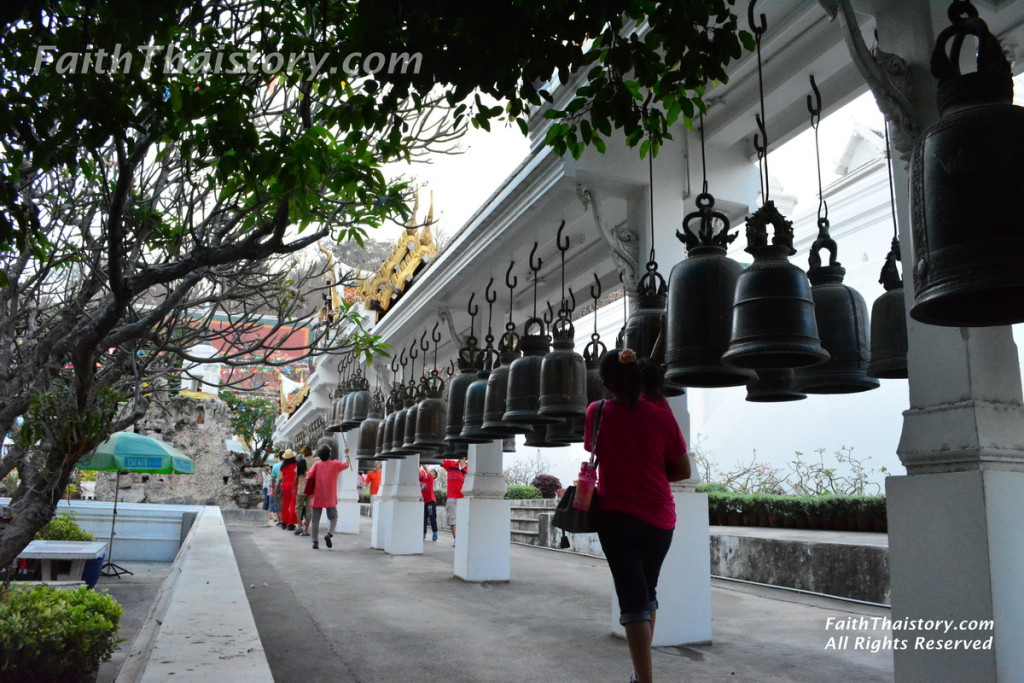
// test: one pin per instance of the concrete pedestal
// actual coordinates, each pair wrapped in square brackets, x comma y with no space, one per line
[348,487]
[956,556]
[383,505]
[405,535]
[684,588]
[482,548]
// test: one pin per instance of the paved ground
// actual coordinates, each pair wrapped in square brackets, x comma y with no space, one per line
[356,614]
[135,592]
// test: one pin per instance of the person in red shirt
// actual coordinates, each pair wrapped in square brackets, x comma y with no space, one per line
[639,451]
[324,474]
[429,502]
[456,470]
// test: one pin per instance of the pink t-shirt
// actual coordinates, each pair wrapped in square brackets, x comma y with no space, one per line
[325,473]
[634,446]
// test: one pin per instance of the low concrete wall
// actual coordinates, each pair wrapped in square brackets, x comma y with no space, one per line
[851,569]
[143,533]
[848,570]
[200,625]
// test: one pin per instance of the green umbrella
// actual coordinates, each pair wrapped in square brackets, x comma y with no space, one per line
[131,452]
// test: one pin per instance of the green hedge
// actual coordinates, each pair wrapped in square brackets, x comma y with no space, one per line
[519,492]
[63,528]
[852,513]
[50,634]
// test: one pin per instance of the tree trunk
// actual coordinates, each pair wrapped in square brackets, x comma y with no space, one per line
[31,511]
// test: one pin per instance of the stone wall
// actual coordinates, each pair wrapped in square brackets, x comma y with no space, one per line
[218,477]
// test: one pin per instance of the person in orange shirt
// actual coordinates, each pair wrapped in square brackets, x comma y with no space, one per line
[373,478]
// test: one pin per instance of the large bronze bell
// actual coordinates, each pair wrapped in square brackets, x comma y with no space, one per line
[563,375]
[566,431]
[773,386]
[645,323]
[700,297]
[522,404]
[773,323]
[369,430]
[476,396]
[595,389]
[388,426]
[412,414]
[497,391]
[965,180]
[537,437]
[337,410]
[431,418]
[357,403]
[379,448]
[889,323]
[457,393]
[842,317]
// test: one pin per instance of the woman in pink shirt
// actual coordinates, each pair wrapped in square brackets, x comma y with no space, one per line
[639,451]
[325,492]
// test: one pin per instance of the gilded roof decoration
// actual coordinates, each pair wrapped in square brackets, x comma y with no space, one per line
[413,251]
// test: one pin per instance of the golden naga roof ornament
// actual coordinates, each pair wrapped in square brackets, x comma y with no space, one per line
[414,249]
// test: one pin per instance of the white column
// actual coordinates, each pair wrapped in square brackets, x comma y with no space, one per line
[383,506]
[483,547]
[405,537]
[348,485]
[956,545]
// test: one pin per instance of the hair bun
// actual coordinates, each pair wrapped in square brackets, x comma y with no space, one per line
[627,356]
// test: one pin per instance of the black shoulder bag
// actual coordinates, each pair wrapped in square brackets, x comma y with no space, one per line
[567,517]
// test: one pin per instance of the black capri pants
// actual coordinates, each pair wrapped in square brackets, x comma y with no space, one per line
[635,551]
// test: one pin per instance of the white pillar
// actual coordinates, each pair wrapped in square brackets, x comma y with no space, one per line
[405,537]
[483,546]
[348,485]
[384,505]
[956,546]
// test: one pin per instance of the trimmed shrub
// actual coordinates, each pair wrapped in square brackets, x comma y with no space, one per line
[547,484]
[519,492]
[63,528]
[711,487]
[49,634]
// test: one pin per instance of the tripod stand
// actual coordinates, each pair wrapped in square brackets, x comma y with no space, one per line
[111,569]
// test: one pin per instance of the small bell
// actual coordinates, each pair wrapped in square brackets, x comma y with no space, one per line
[523,400]
[773,386]
[889,323]
[842,317]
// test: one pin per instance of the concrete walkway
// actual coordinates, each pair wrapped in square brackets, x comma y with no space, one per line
[355,614]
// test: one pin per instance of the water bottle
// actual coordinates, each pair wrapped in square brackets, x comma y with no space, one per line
[585,486]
